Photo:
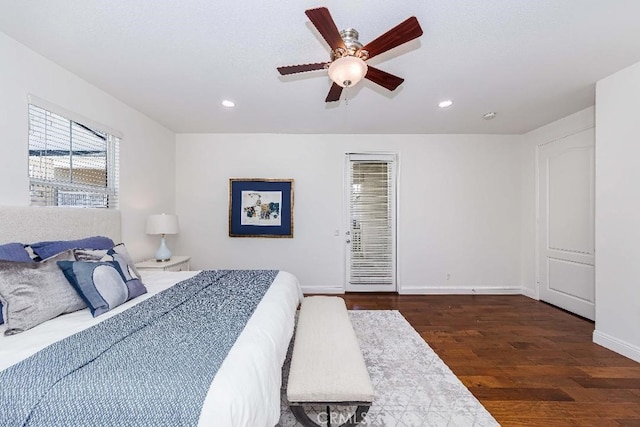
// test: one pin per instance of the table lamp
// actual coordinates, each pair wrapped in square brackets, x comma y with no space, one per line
[162,224]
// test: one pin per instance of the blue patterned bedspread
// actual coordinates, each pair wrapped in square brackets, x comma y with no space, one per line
[148,366]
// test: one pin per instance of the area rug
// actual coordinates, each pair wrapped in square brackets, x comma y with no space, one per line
[413,386]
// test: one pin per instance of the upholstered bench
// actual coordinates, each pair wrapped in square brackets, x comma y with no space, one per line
[327,367]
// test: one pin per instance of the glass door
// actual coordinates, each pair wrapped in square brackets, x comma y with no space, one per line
[371,222]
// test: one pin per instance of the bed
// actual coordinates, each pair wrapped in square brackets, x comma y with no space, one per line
[245,390]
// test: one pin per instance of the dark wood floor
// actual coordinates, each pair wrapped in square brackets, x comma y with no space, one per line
[528,362]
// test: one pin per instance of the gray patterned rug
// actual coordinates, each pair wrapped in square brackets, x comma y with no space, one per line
[413,386]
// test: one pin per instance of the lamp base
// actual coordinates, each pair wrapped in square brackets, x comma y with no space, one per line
[163,253]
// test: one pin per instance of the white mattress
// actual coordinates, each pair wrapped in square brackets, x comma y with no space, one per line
[246,389]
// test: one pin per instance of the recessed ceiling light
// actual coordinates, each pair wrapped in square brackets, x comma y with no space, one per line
[490,115]
[228,104]
[446,103]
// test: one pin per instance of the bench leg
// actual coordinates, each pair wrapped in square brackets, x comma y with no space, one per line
[302,417]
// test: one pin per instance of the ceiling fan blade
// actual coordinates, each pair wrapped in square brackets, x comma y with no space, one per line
[384,79]
[293,69]
[322,20]
[400,34]
[334,93]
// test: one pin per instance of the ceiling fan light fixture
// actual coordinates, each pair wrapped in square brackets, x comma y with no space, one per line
[347,71]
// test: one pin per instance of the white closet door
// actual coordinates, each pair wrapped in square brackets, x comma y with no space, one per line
[566,223]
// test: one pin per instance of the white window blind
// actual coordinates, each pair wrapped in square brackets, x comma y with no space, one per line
[71,163]
[371,223]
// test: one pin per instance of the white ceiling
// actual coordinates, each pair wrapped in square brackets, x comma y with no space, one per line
[531,61]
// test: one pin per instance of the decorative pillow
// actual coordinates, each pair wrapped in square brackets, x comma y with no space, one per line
[107,255]
[12,252]
[103,285]
[48,249]
[34,292]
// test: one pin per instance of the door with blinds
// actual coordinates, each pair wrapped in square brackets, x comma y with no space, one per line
[371,222]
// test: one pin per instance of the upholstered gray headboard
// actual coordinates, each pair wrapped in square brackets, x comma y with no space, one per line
[27,224]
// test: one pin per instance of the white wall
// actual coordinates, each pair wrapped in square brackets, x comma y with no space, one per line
[618,212]
[147,149]
[566,126]
[459,210]
[467,202]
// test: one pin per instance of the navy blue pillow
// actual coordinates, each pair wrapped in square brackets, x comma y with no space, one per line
[102,285]
[12,252]
[48,249]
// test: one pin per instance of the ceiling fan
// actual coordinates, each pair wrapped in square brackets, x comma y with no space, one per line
[347,65]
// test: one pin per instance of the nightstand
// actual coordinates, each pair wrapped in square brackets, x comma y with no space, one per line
[176,263]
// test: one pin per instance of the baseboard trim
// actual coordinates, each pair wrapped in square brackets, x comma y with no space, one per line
[323,290]
[460,291]
[434,291]
[614,344]
[529,293]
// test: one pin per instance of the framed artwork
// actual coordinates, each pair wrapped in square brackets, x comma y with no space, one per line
[260,207]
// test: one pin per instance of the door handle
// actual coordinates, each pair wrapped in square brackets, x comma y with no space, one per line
[348,241]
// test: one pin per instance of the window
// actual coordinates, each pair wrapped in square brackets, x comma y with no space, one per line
[71,162]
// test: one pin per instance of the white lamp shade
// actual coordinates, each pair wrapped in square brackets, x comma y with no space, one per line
[347,71]
[162,224]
